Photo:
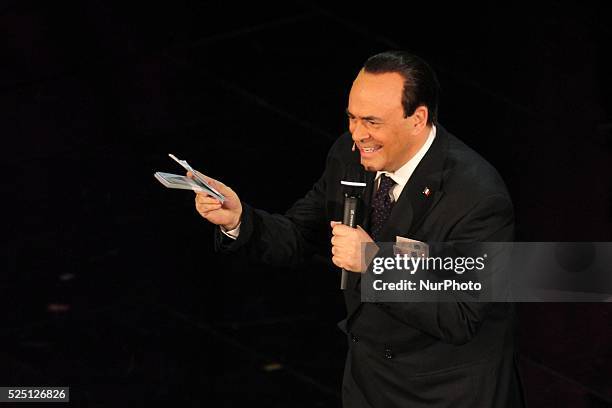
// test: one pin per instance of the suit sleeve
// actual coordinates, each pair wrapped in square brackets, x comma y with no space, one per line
[491,220]
[280,240]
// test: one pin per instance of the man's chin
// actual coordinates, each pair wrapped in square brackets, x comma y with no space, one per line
[369,166]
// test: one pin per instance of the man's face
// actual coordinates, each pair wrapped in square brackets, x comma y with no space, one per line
[377,123]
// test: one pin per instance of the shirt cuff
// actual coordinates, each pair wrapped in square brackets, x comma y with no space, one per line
[233,234]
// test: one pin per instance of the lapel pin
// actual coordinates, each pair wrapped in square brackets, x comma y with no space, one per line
[426,192]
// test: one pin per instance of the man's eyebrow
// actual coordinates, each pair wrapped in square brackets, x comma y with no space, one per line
[369,118]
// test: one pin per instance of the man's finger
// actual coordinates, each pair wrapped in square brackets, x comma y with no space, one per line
[206,208]
[336,261]
[341,242]
[206,199]
[215,183]
[342,230]
[334,223]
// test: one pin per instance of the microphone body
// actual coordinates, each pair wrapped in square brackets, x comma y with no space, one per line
[351,209]
[353,186]
[351,204]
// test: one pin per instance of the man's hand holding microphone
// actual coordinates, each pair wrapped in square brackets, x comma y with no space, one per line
[347,246]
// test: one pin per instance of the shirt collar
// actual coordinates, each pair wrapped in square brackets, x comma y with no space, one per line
[402,175]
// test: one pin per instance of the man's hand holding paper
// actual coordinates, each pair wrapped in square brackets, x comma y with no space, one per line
[214,201]
[226,214]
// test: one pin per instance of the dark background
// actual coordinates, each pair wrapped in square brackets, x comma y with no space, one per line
[110,284]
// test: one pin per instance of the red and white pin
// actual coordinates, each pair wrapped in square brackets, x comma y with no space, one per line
[427,192]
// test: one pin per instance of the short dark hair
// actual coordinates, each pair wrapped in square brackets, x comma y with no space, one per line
[421,87]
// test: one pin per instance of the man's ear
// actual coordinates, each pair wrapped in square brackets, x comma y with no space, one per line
[419,118]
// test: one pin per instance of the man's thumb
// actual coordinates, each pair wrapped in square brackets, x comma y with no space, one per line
[219,186]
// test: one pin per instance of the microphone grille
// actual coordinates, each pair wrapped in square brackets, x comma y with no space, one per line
[354,179]
[354,172]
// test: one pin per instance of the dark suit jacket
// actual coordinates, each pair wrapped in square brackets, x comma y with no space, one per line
[449,354]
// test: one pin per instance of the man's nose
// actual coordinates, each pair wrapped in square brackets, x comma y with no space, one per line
[359,132]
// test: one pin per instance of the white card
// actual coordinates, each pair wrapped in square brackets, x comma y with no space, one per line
[410,247]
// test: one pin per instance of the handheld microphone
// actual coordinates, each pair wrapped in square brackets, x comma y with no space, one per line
[352,187]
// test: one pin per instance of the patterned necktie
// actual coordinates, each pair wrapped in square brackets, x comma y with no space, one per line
[381,205]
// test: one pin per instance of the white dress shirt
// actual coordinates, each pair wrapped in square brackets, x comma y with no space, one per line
[400,176]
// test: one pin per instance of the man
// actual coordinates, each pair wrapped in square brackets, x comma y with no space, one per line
[424,184]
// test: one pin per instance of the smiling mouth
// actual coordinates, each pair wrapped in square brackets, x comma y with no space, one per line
[371,149]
